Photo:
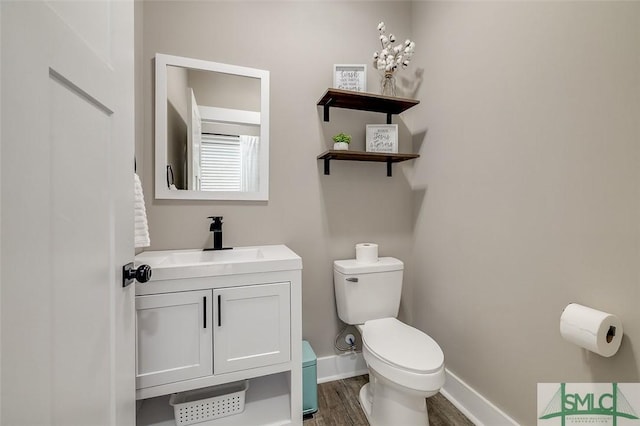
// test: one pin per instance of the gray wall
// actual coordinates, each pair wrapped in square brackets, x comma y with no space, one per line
[525,197]
[320,217]
[221,90]
[530,164]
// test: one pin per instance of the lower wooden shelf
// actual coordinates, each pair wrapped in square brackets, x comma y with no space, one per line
[381,157]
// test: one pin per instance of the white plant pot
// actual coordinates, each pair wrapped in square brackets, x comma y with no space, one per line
[340,146]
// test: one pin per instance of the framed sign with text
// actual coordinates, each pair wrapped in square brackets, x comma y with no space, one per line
[382,138]
[350,77]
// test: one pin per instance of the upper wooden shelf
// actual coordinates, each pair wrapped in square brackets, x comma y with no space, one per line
[348,99]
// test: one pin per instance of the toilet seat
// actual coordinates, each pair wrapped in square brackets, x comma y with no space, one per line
[403,346]
[403,354]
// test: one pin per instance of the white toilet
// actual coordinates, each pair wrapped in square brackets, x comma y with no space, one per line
[405,365]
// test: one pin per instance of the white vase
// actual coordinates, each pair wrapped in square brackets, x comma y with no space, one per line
[340,146]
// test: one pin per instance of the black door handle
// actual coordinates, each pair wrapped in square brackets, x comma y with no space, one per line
[142,274]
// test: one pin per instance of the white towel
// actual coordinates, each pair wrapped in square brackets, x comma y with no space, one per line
[140,215]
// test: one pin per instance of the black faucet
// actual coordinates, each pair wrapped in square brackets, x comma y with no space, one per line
[216,229]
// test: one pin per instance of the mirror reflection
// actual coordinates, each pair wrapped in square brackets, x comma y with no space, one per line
[211,130]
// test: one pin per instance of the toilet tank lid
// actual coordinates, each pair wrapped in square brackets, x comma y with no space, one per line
[352,266]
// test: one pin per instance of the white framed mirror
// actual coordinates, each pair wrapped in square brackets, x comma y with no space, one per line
[211,130]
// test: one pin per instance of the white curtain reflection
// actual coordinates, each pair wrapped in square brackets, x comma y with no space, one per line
[249,174]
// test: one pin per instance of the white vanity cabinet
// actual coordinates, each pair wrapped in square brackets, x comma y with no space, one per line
[252,327]
[173,337]
[206,323]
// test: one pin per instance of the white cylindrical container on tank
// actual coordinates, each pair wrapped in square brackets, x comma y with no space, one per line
[366,253]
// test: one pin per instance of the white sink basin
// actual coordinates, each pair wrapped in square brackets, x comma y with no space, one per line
[175,264]
[196,257]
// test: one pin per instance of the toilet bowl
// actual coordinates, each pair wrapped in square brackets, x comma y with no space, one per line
[405,365]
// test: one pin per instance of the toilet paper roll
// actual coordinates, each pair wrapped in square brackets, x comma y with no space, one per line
[597,331]
[366,253]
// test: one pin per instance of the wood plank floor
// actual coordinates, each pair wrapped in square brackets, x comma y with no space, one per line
[338,405]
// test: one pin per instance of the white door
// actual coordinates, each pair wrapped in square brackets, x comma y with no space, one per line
[173,337]
[252,326]
[67,213]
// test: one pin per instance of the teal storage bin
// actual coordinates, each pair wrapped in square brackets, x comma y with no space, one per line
[309,380]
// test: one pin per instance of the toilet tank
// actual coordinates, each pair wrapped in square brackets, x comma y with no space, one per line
[366,291]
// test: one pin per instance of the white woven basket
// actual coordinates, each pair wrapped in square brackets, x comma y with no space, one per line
[211,403]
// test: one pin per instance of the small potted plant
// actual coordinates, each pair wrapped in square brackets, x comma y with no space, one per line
[341,141]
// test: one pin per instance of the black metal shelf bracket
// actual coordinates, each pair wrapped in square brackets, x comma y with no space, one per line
[389,118]
[326,109]
[327,167]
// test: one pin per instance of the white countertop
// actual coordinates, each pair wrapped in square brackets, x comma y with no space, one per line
[177,264]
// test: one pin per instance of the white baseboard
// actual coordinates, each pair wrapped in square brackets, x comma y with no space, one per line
[336,367]
[466,399]
[473,405]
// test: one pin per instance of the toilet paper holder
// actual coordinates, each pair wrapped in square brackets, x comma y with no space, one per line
[611,333]
[591,329]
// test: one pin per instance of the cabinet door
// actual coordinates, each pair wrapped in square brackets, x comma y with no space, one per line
[252,327]
[173,337]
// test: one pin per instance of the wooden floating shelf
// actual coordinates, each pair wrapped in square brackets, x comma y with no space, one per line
[348,99]
[380,157]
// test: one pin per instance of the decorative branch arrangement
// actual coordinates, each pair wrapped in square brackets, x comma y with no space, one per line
[391,57]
